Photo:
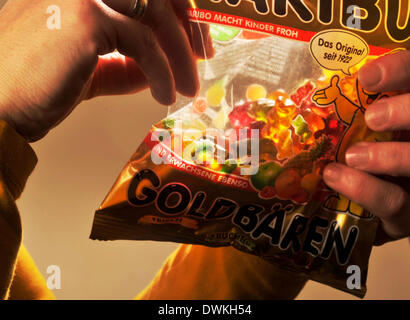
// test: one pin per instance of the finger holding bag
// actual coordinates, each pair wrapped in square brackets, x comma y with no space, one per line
[85,65]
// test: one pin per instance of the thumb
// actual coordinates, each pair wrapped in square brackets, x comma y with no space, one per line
[335,82]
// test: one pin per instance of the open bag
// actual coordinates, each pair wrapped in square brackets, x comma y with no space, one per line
[241,164]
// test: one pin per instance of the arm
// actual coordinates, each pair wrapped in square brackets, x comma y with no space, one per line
[198,272]
[99,51]
[345,109]
[17,160]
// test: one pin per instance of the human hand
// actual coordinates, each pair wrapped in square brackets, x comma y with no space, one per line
[387,194]
[328,95]
[45,73]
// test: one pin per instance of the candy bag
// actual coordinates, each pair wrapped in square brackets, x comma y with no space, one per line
[241,164]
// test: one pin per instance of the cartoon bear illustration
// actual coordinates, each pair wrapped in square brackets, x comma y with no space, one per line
[352,115]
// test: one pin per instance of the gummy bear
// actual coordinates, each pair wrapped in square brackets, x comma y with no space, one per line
[302,93]
[259,110]
[240,117]
[284,144]
[200,105]
[255,92]
[278,95]
[216,94]
[301,128]
[314,121]
[286,111]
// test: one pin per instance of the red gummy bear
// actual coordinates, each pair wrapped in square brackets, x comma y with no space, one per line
[302,93]
[239,116]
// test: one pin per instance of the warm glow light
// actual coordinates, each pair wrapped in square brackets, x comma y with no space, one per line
[192,3]
[341,217]
[215,165]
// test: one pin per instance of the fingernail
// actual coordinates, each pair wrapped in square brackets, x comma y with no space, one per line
[188,88]
[331,174]
[357,156]
[370,75]
[377,115]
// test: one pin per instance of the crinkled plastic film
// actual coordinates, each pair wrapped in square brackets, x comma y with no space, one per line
[241,164]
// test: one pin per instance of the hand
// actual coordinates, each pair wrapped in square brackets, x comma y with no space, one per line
[328,95]
[387,197]
[45,73]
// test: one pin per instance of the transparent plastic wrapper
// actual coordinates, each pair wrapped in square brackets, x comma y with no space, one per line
[241,164]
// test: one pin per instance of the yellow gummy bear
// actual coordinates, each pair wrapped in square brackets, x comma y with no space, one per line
[256,92]
[215,94]
[285,144]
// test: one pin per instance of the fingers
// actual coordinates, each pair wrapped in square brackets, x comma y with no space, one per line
[389,114]
[169,24]
[198,33]
[137,41]
[202,41]
[389,158]
[388,73]
[388,201]
[334,81]
[116,74]
[181,11]
[319,95]
[122,6]
[323,101]
[174,41]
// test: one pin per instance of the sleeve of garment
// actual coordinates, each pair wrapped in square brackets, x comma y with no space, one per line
[203,273]
[17,161]
[28,283]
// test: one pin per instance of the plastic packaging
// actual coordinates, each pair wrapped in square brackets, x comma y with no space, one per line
[241,164]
